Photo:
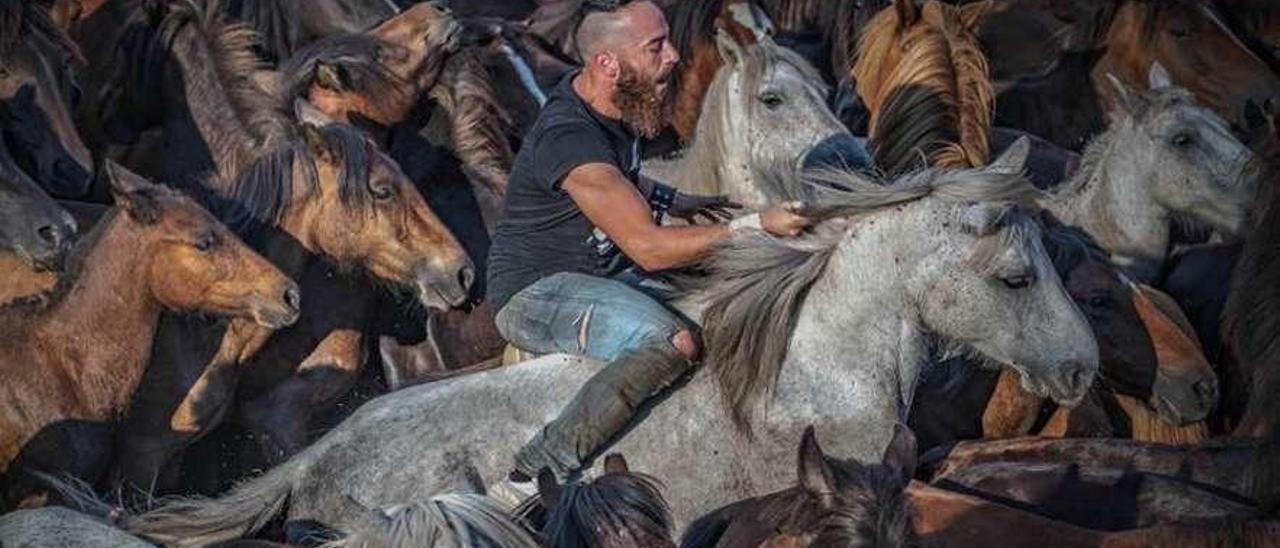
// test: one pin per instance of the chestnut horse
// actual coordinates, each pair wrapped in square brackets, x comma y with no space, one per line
[75,363]
[319,195]
[922,75]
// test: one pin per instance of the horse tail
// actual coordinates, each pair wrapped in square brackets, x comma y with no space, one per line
[198,521]
[445,520]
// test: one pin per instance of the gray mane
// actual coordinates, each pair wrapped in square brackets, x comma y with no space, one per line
[359,56]
[707,150]
[755,284]
[446,521]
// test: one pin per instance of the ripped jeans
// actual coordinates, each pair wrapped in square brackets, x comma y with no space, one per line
[619,321]
[577,313]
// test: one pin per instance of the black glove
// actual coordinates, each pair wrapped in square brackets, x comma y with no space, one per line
[713,209]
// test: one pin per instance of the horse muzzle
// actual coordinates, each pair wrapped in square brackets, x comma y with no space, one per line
[445,287]
[841,151]
[1181,401]
[279,312]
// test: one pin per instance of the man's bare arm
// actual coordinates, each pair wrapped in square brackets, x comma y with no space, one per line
[614,206]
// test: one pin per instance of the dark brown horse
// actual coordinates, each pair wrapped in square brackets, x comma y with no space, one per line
[835,503]
[32,226]
[37,96]
[78,360]
[1250,325]
[619,509]
[923,77]
[322,200]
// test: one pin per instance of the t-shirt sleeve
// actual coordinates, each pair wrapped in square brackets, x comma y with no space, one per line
[564,147]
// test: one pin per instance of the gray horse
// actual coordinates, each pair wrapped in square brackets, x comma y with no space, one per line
[765,110]
[830,330]
[1163,160]
[31,223]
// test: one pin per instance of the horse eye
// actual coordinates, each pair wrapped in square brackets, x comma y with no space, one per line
[381,192]
[4,73]
[1181,139]
[206,242]
[1099,301]
[1179,32]
[771,100]
[1019,281]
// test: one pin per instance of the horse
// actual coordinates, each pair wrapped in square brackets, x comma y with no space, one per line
[1186,37]
[59,527]
[287,26]
[323,198]
[32,226]
[764,111]
[922,75]
[619,509]
[835,503]
[76,362]
[1163,160]
[835,26]
[1248,326]
[37,95]
[961,252]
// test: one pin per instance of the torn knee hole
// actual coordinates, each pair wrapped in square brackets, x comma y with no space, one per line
[686,344]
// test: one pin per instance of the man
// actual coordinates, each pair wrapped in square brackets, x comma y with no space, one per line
[569,269]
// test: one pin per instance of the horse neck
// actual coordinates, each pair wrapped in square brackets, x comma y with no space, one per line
[877,339]
[209,116]
[107,318]
[1107,197]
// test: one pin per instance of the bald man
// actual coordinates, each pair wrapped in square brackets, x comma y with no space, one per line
[576,259]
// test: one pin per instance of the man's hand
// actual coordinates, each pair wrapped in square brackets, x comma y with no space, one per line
[783,220]
[713,209]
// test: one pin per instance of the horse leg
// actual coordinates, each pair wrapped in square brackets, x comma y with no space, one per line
[171,411]
[281,415]
[1011,411]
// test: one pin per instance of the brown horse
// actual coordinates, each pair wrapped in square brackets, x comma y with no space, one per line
[959,520]
[322,200]
[835,503]
[37,96]
[77,361]
[922,75]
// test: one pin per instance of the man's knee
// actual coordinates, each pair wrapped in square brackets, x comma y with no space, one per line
[686,344]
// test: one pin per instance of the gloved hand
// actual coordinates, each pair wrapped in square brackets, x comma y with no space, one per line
[713,209]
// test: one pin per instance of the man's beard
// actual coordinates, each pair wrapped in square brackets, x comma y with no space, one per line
[643,107]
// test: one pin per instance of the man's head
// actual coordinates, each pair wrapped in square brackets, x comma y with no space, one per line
[625,43]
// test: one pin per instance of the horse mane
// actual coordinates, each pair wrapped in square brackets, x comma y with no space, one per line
[691,21]
[360,58]
[478,122]
[445,521]
[587,514]
[263,192]
[840,22]
[947,82]
[705,154]
[147,42]
[21,20]
[755,284]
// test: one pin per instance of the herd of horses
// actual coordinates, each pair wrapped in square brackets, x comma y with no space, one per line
[242,248]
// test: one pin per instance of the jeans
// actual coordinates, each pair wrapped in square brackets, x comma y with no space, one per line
[577,313]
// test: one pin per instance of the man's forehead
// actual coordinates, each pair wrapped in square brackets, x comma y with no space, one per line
[643,22]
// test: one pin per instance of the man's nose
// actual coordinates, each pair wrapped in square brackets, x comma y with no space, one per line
[672,56]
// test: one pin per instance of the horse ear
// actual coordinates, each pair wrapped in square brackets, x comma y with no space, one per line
[730,50]
[1158,77]
[972,14]
[615,463]
[815,473]
[308,114]
[1013,159]
[933,14]
[908,12]
[332,77]
[900,455]
[139,198]
[1127,99]
[312,120]
[548,489]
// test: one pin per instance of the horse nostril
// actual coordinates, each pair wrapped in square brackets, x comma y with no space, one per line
[466,276]
[292,299]
[1078,377]
[1207,390]
[51,235]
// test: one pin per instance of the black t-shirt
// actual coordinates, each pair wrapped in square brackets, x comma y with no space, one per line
[542,231]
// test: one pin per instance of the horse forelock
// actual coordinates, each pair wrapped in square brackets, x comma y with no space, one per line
[629,505]
[445,520]
[871,509]
[946,60]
